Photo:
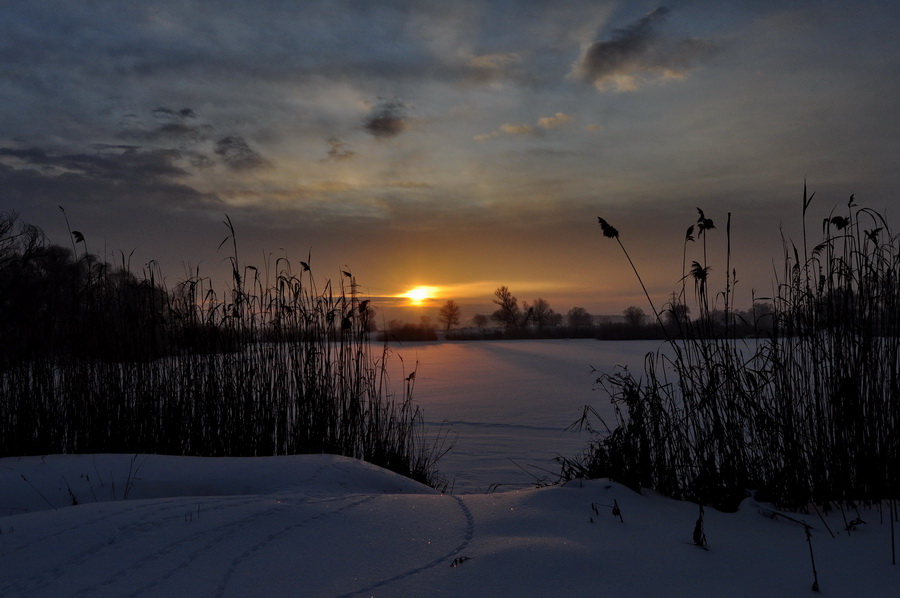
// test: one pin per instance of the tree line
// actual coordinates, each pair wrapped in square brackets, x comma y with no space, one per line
[67,302]
[539,320]
[54,299]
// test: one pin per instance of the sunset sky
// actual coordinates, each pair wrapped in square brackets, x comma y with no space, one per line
[461,145]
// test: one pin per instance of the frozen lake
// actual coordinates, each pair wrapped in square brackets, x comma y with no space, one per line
[509,402]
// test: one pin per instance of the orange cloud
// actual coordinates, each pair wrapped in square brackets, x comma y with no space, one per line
[557,120]
[545,122]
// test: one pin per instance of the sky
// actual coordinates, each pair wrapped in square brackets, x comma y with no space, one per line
[462,145]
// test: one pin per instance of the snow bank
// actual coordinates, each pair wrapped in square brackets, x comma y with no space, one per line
[330,526]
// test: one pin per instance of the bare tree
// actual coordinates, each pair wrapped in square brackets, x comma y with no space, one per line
[578,317]
[449,315]
[509,313]
[480,321]
[635,316]
[543,315]
[678,314]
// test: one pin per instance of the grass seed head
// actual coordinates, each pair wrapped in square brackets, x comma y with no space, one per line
[608,230]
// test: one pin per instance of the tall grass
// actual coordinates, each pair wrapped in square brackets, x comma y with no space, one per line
[280,364]
[810,412]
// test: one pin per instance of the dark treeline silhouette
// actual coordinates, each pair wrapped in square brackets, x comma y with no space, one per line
[68,302]
[539,321]
[55,300]
[407,332]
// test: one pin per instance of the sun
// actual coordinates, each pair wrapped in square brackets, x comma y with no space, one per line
[418,295]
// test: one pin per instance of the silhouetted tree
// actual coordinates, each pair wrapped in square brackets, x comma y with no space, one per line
[634,316]
[480,321]
[398,330]
[509,314]
[543,315]
[52,302]
[677,314]
[762,315]
[578,318]
[449,315]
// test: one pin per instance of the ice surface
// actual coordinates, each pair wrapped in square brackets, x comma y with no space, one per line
[509,403]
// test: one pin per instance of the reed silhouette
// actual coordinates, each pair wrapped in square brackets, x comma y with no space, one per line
[809,412]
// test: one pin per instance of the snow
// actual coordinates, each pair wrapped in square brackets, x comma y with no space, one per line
[322,525]
[509,403]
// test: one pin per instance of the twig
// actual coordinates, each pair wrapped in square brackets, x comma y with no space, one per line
[812,558]
[39,492]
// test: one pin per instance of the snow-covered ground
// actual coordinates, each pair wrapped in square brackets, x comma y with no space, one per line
[329,526]
[509,403]
[320,525]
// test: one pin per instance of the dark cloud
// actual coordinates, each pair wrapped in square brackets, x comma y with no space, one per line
[128,178]
[386,119]
[164,112]
[338,150]
[110,163]
[626,45]
[173,126]
[167,126]
[180,131]
[200,161]
[638,51]
[117,146]
[237,154]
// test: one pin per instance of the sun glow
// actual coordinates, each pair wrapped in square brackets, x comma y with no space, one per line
[418,295]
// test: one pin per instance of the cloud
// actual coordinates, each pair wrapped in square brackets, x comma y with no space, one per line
[486,136]
[523,129]
[330,187]
[110,176]
[546,122]
[180,130]
[637,53]
[557,120]
[495,61]
[237,154]
[171,125]
[496,66]
[408,185]
[168,113]
[110,163]
[386,119]
[507,129]
[338,150]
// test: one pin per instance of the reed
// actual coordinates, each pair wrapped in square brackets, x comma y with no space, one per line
[806,413]
[280,363]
